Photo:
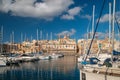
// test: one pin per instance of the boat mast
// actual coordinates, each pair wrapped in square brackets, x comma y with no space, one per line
[1,39]
[93,20]
[37,34]
[10,42]
[25,37]
[21,37]
[41,34]
[46,36]
[113,28]
[109,23]
[93,24]
[13,37]
[13,41]
[51,35]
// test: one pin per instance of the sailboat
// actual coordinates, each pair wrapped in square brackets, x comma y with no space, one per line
[110,70]
[2,58]
[2,62]
[81,58]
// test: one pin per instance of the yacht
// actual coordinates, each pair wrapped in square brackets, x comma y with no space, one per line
[2,62]
[108,70]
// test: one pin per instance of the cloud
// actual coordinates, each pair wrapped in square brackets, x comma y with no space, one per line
[105,18]
[71,13]
[86,17]
[68,17]
[68,33]
[99,35]
[118,16]
[46,9]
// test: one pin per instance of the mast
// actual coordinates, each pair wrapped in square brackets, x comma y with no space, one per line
[118,35]
[10,43]
[41,34]
[109,23]
[31,38]
[21,37]
[47,36]
[25,37]
[113,28]
[1,39]
[13,37]
[93,24]
[37,34]
[12,40]
[87,32]
[93,20]
[51,35]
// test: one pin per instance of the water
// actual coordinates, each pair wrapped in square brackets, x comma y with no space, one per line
[57,69]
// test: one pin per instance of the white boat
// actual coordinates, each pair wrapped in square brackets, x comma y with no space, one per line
[100,72]
[81,58]
[43,57]
[28,57]
[2,62]
[110,70]
[2,59]
[54,56]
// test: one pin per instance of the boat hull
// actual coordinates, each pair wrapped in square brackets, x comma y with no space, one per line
[96,76]
[2,62]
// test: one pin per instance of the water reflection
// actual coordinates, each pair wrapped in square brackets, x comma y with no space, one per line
[57,69]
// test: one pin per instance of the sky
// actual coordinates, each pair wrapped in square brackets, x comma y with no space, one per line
[56,17]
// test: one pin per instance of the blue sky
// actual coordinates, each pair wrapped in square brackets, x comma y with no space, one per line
[60,17]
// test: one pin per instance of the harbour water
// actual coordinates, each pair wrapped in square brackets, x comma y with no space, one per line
[57,69]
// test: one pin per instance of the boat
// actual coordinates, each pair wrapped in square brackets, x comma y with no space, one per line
[56,55]
[2,62]
[44,57]
[2,58]
[28,57]
[13,59]
[101,73]
[108,70]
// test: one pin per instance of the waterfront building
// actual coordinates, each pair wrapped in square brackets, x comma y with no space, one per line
[97,45]
[62,45]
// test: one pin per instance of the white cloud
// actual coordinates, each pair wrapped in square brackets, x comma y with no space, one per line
[68,17]
[71,13]
[74,11]
[46,9]
[105,18]
[68,33]
[86,17]
[118,16]
[99,35]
